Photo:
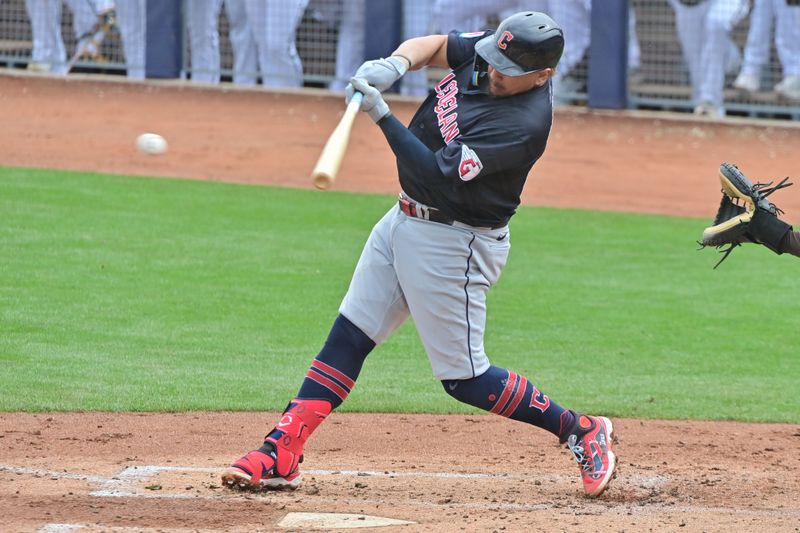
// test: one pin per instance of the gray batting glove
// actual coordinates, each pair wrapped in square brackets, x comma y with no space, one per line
[372,102]
[380,73]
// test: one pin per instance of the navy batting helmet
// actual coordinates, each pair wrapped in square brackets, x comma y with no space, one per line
[523,43]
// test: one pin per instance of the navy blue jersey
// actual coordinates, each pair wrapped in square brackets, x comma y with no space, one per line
[484,146]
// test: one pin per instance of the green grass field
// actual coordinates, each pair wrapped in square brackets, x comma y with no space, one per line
[137,294]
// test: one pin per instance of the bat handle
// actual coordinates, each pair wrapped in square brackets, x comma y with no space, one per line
[355,101]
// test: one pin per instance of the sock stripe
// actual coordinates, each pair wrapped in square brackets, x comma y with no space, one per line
[512,406]
[336,374]
[319,372]
[506,394]
[329,384]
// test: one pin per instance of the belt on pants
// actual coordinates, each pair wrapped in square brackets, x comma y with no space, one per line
[417,210]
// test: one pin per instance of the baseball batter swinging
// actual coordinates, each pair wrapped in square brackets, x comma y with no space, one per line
[462,164]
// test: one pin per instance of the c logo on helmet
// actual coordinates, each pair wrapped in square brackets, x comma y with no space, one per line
[501,42]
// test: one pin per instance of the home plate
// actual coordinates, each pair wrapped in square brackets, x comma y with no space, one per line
[337,521]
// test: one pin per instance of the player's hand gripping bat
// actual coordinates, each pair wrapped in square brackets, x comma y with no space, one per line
[324,173]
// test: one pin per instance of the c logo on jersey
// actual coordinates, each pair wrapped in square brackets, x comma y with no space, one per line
[470,165]
[501,42]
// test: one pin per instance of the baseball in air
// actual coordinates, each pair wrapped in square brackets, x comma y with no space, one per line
[151,143]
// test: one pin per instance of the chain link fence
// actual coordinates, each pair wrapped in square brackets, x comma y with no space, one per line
[713,57]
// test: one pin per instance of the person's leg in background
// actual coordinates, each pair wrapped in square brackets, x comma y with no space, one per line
[634,51]
[757,47]
[464,15]
[349,43]
[202,18]
[274,25]
[574,17]
[787,41]
[689,27]
[245,52]
[510,7]
[717,49]
[132,21]
[416,22]
[48,54]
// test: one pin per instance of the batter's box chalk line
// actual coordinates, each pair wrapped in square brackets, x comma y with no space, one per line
[125,483]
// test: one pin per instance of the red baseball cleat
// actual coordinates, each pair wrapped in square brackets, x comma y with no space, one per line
[275,464]
[590,444]
[264,469]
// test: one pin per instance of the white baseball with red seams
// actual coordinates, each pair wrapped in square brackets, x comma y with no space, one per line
[151,144]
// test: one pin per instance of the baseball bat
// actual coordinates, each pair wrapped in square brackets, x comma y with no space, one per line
[324,173]
[90,42]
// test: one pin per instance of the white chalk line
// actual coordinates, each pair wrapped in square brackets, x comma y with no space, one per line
[123,485]
[53,474]
[58,528]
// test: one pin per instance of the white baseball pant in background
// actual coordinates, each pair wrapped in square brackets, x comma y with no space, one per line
[49,52]
[202,23]
[132,23]
[704,32]
[274,25]
[243,43]
[202,18]
[786,20]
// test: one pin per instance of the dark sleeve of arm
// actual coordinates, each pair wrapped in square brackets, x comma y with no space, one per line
[461,46]
[409,149]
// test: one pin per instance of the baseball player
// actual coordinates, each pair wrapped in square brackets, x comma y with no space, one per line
[785,14]
[704,30]
[462,164]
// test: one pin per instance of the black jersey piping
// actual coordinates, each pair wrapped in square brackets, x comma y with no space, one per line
[466,306]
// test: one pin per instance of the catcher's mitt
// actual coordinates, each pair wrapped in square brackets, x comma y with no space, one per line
[745,214]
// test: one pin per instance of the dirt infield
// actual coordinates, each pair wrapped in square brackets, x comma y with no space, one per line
[444,473]
[159,472]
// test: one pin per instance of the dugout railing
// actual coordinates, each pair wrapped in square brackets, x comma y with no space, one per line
[331,36]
